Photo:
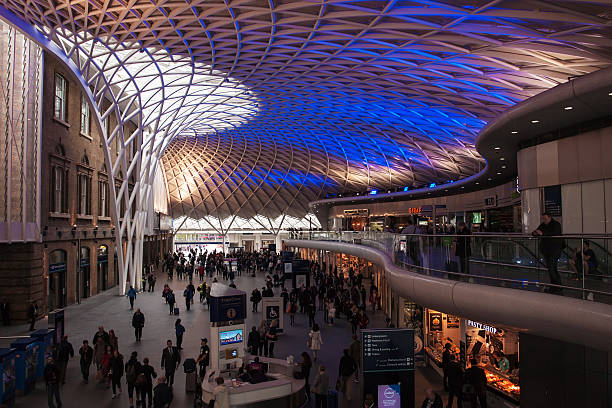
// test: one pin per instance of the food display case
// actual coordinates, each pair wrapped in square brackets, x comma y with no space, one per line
[26,362]
[7,367]
[496,351]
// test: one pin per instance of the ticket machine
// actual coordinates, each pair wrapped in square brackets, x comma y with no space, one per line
[7,367]
[46,341]
[27,352]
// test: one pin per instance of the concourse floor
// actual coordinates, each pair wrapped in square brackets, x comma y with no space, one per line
[113,312]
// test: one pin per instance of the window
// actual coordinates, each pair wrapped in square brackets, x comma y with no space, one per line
[84,185]
[58,182]
[61,97]
[103,199]
[84,116]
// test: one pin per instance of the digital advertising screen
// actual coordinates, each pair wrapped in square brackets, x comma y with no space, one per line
[389,396]
[230,337]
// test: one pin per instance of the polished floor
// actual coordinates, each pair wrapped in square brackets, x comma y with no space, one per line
[113,312]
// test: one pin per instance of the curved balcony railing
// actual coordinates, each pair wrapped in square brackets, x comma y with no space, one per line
[507,260]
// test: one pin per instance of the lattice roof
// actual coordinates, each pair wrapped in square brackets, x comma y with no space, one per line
[329,96]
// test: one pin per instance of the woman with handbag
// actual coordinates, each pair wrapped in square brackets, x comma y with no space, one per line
[314,341]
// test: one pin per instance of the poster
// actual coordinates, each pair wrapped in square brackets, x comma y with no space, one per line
[389,396]
[452,322]
[272,314]
[435,322]
[300,280]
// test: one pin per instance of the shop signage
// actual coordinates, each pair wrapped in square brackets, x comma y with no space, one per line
[358,212]
[452,322]
[481,326]
[57,267]
[414,210]
[490,201]
[387,350]
[435,322]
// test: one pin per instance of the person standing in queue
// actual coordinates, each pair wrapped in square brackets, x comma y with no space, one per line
[550,248]
[478,379]
[138,322]
[446,359]
[86,353]
[131,294]
[170,361]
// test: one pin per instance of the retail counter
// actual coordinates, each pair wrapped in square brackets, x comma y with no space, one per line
[282,390]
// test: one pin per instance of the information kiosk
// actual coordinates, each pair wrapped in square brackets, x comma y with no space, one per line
[227,328]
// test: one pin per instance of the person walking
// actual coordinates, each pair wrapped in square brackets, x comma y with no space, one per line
[204,357]
[65,352]
[113,340]
[346,370]
[253,341]
[255,298]
[188,296]
[131,294]
[179,329]
[152,280]
[138,322]
[132,370]
[550,248]
[162,394]
[32,313]
[52,382]
[314,340]
[355,353]
[86,353]
[305,366]
[100,334]
[116,372]
[292,311]
[321,388]
[147,374]
[272,338]
[170,361]
[171,299]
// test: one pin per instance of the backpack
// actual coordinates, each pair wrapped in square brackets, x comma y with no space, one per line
[131,374]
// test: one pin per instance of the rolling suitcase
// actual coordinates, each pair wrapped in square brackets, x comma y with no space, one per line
[332,399]
[191,381]
[176,311]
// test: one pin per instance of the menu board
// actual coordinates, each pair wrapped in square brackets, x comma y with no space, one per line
[387,350]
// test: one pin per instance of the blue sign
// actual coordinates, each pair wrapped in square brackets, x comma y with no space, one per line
[57,267]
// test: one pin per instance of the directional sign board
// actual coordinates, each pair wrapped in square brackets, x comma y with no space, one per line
[386,350]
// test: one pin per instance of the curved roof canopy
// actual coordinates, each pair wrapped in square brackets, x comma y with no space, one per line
[316,97]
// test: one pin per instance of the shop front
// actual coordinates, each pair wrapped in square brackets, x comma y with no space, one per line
[493,348]
[57,279]
[85,272]
[102,268]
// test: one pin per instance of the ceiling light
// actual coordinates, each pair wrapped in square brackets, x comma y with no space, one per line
[497,147]
[477,183]
[514,132]
[502,158]
[609,93]
[490,179]
[503,167]
[498,173]
[535,121]
[568,108]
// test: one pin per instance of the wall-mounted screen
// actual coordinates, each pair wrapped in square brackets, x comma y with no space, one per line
[230,337]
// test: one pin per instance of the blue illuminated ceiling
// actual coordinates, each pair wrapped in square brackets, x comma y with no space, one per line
[350,95]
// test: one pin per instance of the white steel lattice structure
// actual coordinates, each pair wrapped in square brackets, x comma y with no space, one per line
[267,105]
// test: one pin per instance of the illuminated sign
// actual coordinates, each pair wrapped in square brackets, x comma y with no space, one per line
[359,212]
[414,210]
[481,326]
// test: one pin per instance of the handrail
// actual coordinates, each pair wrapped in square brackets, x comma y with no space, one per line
[563,318]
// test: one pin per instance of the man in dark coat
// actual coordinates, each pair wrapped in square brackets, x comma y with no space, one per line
[64,353]
[86,353]
[550,248]
[478,379]
[52,381]
[162,394]
[170,361]
[455,382]
[138,322]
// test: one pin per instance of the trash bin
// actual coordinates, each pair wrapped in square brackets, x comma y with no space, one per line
[27,352]
[7,368]
[46,342]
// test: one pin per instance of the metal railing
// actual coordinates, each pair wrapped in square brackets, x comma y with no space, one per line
[509,260]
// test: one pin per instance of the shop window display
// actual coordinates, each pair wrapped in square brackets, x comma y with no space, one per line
[496,351]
